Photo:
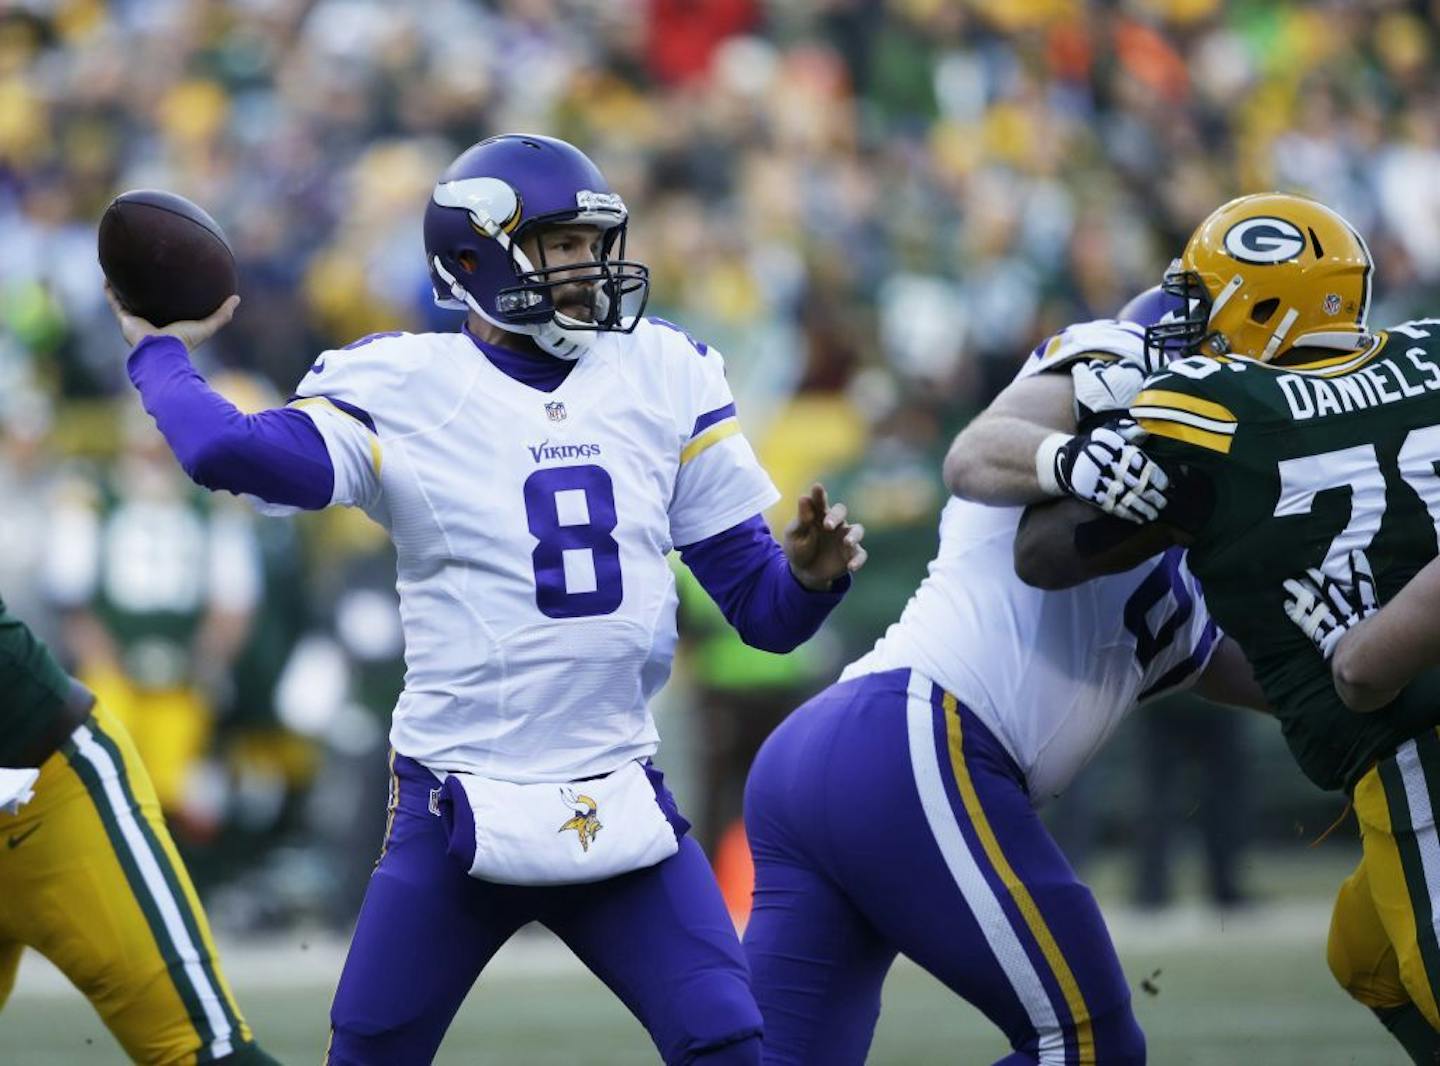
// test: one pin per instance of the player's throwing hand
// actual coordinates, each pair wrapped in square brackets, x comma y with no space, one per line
[190,333]
[821,546]
[1326,609]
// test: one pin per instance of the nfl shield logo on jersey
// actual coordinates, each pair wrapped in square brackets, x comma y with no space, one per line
[555,411]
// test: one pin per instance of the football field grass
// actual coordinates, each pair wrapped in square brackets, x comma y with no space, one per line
[1250,989]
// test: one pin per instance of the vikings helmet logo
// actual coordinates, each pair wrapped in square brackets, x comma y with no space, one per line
[586,822]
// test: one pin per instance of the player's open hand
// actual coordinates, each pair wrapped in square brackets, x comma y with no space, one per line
[190,333]
[822,547]
[1326,609]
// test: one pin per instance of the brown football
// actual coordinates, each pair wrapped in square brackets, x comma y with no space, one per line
[166,259]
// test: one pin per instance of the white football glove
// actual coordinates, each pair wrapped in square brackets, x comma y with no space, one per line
[1104,388]
[1326,609]
[1106,469]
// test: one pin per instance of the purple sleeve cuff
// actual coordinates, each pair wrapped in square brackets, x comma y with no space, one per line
[746,573]
[277,455]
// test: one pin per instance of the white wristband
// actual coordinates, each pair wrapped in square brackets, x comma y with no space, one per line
[1045,463]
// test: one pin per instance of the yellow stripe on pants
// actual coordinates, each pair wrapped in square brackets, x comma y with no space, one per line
[1069,987]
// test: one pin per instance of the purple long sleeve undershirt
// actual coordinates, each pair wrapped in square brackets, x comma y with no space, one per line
[746,573]
[279,456]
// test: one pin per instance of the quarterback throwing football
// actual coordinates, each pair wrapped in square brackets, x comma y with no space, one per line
[534,470]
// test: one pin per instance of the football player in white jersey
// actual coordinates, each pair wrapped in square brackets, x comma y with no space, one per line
[895,812]
[534,470]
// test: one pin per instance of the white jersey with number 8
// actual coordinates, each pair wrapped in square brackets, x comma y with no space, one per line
[531,530]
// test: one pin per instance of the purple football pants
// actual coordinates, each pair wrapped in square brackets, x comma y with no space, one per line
[660,938]
[884,818]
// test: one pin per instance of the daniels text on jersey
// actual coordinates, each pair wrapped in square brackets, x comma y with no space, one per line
[1384,381]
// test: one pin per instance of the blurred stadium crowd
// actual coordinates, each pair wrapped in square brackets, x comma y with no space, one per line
[874,209]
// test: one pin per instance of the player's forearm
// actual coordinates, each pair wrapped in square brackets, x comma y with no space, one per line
[747,575]
[992,461]
[1063,543]
[276,455]
[1384,653]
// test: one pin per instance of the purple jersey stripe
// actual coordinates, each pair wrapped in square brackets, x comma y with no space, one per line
[1197,661]
[358,413]
[700,346]
[709,418]
[371,337]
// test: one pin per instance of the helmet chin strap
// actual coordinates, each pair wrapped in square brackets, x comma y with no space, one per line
[552,337]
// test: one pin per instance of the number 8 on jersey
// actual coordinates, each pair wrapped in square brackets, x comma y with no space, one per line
[571,512]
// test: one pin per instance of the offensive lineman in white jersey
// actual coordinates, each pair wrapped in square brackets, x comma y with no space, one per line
[533,470]
[895,812]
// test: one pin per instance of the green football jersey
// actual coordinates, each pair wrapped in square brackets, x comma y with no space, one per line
[1296,467]
[154,576]
[34,687]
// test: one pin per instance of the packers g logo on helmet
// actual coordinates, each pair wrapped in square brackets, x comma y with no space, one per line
[1264,240]
[1265,274]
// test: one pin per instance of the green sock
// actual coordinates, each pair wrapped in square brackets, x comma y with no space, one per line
[1408,1025]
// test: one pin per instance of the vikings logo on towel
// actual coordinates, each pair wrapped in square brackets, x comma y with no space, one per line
[586,822]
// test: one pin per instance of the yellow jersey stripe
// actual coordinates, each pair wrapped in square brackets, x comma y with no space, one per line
[1323,364]
[1201,438]
[377,457]
[711,436]
[1332,366]
[1364,359]
[1184,402]
[1069,987]
[1185,418]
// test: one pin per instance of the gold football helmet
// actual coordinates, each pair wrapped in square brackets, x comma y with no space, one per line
[1265,274]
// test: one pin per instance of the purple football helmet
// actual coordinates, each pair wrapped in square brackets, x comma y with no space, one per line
[1156,307]
[489,200]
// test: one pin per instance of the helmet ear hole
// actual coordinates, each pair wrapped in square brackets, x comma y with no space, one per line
[468,260]
[1264,311]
